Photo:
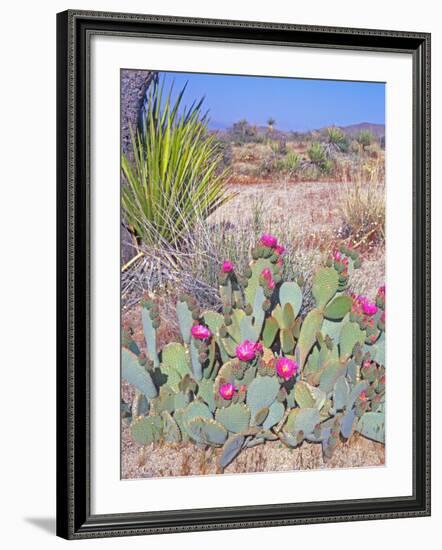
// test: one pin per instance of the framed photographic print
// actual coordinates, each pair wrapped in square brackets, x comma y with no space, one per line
[243,274]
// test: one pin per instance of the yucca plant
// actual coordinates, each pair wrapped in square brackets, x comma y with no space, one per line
[336,141]
[289,163]
[316,153]
[175,177]
[271,123]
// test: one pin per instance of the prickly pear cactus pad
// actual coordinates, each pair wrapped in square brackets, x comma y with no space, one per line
[262,370]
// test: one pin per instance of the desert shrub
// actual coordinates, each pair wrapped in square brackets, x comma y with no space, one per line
[174,178]
[244,132]
[225,150]
[261,371]
[365,138]
[327,167]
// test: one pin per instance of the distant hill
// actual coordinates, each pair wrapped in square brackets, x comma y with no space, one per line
[353,129]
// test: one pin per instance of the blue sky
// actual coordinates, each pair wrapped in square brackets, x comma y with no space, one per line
[295,104]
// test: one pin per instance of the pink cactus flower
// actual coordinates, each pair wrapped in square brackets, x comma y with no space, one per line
[226,391]
[369,308]
[243,388]
[279,249]
[247,350]
[383,317]
[268,240]
[286,368]
[259,348]
[200,332]
[268,276]
[363,395]
[337,256]
[227,266]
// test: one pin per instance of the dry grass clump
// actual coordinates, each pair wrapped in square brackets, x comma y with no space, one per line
[362,208]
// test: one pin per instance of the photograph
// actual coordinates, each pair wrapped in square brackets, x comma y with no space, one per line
[252,274]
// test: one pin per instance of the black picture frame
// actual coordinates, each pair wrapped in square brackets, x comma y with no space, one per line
[74,518]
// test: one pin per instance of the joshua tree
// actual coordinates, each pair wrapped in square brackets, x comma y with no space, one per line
[271,123]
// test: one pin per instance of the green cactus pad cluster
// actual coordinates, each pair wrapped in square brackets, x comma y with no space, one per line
[224,386]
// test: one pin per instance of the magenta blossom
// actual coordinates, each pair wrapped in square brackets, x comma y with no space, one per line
[248,350]
[268,240]
[363,305]
[368,307]
[226,391]
[200,332]
[279,249]
[268,276]
[227,266]
[286,368]
[259,348]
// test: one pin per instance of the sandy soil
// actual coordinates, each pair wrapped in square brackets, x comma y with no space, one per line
[168,460]
[311,206]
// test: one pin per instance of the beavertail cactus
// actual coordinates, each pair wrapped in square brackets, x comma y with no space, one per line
[259,370]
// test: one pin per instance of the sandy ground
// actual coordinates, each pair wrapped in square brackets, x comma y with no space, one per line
[311,206]
[168,460]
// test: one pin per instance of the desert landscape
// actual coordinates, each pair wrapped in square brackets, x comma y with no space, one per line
[309,203]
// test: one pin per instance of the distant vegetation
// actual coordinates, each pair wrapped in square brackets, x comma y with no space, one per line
[266,153]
